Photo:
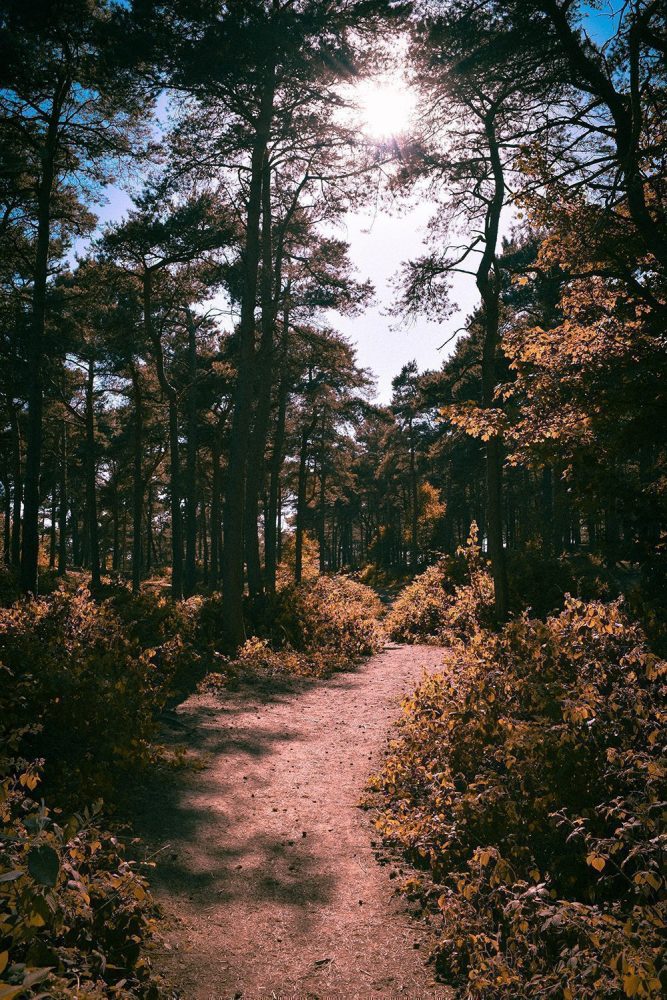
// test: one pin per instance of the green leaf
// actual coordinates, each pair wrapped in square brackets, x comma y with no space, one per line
[44,865]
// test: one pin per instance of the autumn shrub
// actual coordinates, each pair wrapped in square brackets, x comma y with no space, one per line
[256,658]
[75,912]
[447,601]
[79,675]
[322,625]
[175,632]
[9,586]
[328,612]
[528,783]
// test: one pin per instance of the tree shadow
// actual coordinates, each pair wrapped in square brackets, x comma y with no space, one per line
[190,821]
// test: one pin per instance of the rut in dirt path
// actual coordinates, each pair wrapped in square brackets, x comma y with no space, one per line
[270,883]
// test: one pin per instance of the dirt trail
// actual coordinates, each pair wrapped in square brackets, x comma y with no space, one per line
[270,883]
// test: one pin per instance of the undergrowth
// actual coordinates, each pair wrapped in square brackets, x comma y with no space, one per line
[448,601]
[320,626]
[82,685]
[528,786]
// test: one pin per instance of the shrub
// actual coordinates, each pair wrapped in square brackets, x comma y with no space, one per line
[86,685]
[329,612]
[311,630]
[74,912]
[528,782]
[447,601]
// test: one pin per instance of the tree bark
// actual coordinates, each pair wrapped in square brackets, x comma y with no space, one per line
[190,576]
[137,482]
[33,461]
[488,283]
[52,529]
[174,457]
[6,527]
[301,499]
[260,430]
[91,486]
[17,482]
[233,521]
[62,511]
[214,574]
[300,507]
[414,524]
[271,526]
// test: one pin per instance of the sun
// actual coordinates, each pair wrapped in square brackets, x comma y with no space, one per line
[386,107]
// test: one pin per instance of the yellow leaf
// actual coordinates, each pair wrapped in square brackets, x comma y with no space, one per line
[484,858]
[36,920]
[631,984]
[4,958]
[9,992]
[596,861]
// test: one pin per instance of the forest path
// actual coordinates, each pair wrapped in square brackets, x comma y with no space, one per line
[266,869]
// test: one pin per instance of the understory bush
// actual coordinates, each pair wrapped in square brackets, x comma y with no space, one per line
[81,685]
[447,601]
[85,689]
[312,629]
[75,912]
[328,612]
[528,784]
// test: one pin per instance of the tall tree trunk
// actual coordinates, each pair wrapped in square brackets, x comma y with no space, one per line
[321,515]
[115,514]
[260,430]
[52,529]
[301,506]
[204,545]
[174,457]
[76,538]
[35,352]
[91,486]
[271,526]
[137,482]
[17,480]
[233,521]
[6,528]
[214,573]
[149,530]
[488,283]
[190,577]
[279,526]
[414,512]
[62,511]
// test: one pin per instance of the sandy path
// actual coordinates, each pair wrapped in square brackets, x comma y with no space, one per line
[270,883]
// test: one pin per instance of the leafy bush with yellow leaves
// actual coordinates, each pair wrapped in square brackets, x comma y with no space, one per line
[74,911]
[311,630]
[528,783]
[447,601]
[329,612]
[87,685]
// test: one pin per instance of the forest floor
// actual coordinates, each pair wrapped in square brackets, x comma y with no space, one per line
[266,867]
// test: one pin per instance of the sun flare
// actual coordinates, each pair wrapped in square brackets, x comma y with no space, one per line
[386,107]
